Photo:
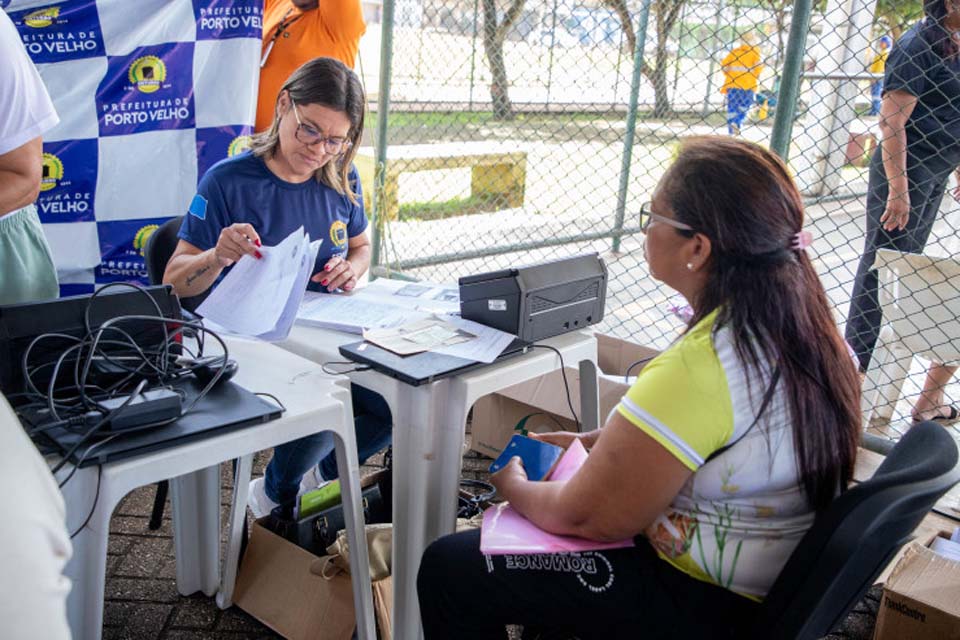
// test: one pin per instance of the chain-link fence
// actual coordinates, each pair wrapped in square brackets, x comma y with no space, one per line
[520,131]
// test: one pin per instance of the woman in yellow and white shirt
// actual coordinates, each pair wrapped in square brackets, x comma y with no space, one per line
[717,459]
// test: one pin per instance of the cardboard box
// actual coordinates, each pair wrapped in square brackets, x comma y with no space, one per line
[543,400]
[921,599]
[281,585]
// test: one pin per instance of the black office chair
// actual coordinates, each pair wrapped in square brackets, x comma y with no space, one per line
[857,536]
[160,247]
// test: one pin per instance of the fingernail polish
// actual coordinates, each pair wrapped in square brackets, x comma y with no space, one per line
[323,282]
[327,268]
[257,242]
[258,255]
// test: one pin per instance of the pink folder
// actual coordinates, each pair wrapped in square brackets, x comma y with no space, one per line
[506,531]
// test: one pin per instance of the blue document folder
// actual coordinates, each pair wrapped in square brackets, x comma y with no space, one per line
[538,457]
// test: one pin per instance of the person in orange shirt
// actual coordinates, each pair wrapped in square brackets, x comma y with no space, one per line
[295,31]
[741,71]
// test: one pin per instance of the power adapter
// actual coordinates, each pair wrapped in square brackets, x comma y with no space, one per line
[154,405]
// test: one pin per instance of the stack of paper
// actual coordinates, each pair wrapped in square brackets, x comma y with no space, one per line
[948,548]
[352,313]
[260,298]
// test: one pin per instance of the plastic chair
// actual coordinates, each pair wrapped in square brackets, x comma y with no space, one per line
[856,537]
[920,299]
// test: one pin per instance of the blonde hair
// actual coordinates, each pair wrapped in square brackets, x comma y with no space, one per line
[330,83]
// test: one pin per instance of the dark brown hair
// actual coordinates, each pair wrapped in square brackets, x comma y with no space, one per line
[936,32]
[330,83]
[742,197]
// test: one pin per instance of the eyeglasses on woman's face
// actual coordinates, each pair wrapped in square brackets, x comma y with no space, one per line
[647,216]
[310,136]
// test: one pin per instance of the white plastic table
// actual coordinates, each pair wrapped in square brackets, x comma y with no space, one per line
[428,440]
[314,401]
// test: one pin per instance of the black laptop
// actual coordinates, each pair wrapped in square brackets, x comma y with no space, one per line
[420,368]
[227,407]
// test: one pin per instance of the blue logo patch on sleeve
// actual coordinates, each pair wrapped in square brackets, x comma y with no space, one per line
[198,207]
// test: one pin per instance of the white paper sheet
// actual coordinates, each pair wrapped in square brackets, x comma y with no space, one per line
[416,337]
[352,313]
[260,297]
[421,296]
[488,344]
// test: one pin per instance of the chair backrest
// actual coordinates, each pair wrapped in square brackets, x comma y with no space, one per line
[160,247]
[920,296]
[852,541]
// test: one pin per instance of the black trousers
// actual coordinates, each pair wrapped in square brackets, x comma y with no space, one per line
[623,593]
[927,180]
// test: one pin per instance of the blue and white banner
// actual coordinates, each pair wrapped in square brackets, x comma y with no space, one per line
[150,95]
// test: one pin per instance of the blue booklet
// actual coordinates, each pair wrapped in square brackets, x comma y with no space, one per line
[538,457]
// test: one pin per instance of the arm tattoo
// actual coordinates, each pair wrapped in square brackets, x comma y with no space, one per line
[196,274]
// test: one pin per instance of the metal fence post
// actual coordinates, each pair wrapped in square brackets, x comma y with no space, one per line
[631,122]
[380,142]
[789,92]
[473,52]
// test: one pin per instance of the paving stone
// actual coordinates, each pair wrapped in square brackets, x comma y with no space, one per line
[137,525]
[119,544]
[195,613]
[115,614]
[168,569]
[139,501]
[112,563]
[142,589]
[146,622]
[235,619]
[145,558]
[182,634]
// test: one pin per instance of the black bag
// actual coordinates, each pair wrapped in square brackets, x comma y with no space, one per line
[319,530]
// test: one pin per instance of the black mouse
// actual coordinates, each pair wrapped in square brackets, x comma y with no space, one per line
[206,368]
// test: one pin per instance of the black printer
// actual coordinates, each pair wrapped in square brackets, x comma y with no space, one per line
[540,300]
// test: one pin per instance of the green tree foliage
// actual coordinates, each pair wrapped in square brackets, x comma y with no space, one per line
[894,16]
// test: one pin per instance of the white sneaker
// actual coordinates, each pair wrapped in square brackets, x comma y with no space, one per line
[312,480]
[258,501]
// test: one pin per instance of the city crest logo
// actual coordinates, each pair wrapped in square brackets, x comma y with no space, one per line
[142,236]
[42,17]
[51,172]
[338,233]
[148,73]
[239,145]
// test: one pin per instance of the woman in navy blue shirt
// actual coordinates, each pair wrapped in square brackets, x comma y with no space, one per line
[920,124]
[297,173]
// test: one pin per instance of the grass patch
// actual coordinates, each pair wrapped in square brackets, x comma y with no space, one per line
[438,210]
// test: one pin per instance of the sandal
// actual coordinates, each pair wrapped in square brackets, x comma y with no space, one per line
[951,415]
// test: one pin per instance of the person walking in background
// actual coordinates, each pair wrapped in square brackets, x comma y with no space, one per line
[295,31]
[27,271]
[920,147]
[741,72]
[878,65]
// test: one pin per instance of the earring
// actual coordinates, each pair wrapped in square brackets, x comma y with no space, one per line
[689,266]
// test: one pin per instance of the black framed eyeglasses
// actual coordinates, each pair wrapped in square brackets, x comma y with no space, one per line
[310,136]
[647,216]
